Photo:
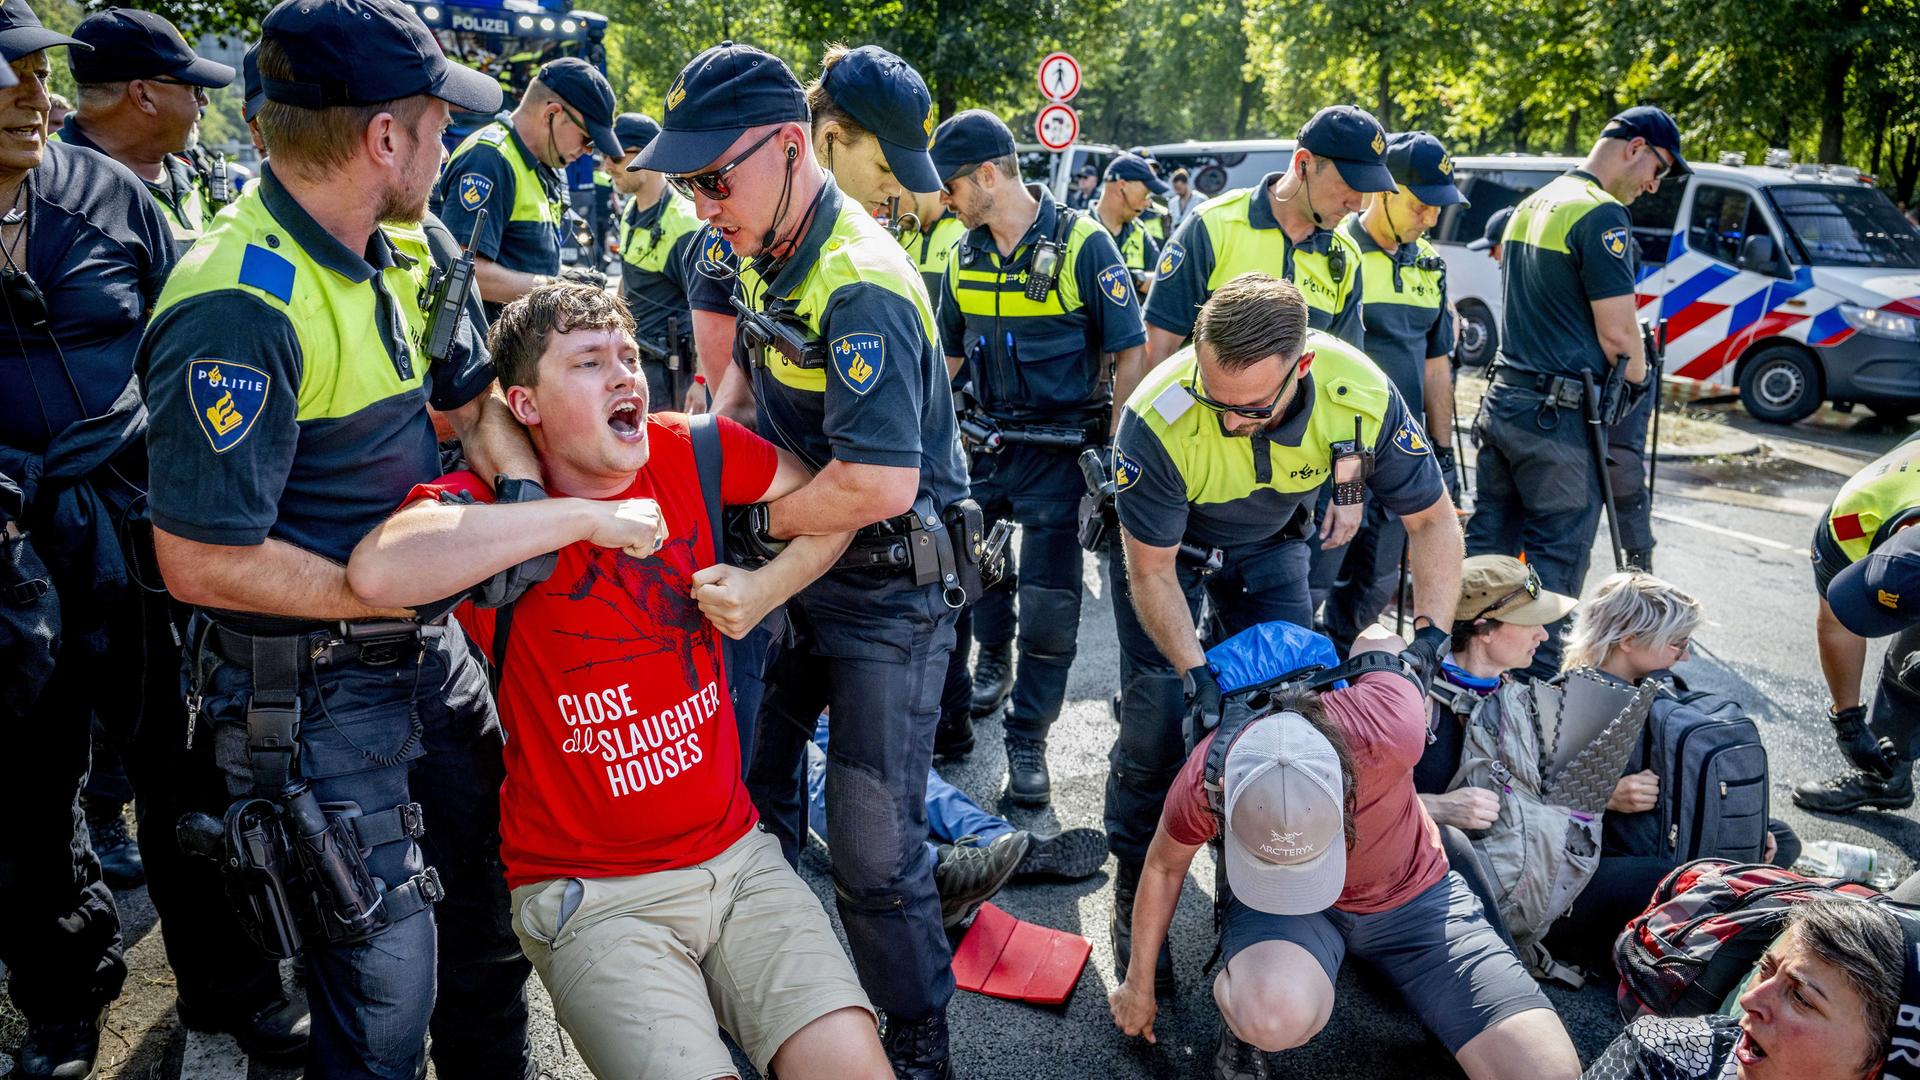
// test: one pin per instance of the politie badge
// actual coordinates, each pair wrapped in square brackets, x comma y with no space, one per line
[1116,284]
[858,359]
[227,398]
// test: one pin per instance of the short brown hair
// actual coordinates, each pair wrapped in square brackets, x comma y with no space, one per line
[518,338]
[1250,318]
[321,139]
[821,104]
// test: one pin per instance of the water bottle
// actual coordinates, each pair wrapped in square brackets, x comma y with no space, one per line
[1849,862]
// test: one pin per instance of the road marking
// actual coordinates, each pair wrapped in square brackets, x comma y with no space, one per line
[212,1057]
[1733,534]
[1825,458]
[1751,500]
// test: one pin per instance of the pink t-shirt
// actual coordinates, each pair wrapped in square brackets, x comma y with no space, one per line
[1396,854]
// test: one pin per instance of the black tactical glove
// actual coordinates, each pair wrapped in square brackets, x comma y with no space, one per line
[1856,742]
[1203,703]
[1449,471]
[580,275]
[1428,648]
[749,545]
[506,586]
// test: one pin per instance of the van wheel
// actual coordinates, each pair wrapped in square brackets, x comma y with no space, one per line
[1479,334]
[1780,385]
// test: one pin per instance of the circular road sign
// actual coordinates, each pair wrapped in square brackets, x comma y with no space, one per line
[1057,126]
[1059,77]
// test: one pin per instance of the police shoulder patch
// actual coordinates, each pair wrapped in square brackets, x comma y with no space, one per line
[1116,284]
[1125,470]
[1170,259]
[474,190]
[227,398]
[1615,241]
[1410,440]
[858,359]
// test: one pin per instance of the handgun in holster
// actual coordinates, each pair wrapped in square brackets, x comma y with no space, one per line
[448,291]
[1099,516]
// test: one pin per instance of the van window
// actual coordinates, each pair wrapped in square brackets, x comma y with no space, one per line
[1722,219]
[1488,192]
[1847,226]
[1213,173]
[1653,217]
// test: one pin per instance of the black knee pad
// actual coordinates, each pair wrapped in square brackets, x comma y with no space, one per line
[1049,621]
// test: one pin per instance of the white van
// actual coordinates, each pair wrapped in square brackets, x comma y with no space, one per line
[1055,171]
[1797,284]
[1214,167]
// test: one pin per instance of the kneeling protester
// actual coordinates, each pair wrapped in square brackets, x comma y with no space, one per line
[649,899]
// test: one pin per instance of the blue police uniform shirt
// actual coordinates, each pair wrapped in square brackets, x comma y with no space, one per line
[654,299]
[904,418]
[1156,510]
[319,483]
[173,190]
[1049,363]
[708,270]
[1187,263]
[1568,245]
[100,251]
[1405,310]
[531,247]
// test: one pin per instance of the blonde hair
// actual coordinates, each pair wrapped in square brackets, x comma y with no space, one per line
[1628,605]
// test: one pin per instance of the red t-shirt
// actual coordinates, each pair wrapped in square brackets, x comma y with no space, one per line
[622,756]
[1396,854]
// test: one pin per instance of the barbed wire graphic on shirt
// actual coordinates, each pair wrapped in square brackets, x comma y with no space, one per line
[662,584]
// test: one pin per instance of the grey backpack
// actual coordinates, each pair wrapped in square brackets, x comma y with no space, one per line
[1552,752]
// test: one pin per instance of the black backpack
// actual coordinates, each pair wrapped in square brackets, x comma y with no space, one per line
[1713,783]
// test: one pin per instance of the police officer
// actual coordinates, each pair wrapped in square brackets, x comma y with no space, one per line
[1489,240]
[932,243]
[141,90]
[1036,300]
[511,169]
[289,390]
[1863,559]
[1410,337]
[1225,445]
[1568,271]
[1086,184]
[657,229]
[1128,191]
[1282,226]
[861,398]
[83,255]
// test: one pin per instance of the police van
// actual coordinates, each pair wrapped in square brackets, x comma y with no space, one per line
[1055,171]
[1795,283]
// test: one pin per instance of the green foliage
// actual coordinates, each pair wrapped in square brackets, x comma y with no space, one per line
[1833,78]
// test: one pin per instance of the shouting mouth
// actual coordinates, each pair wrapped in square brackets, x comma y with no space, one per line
[625,419]
[1748,1052]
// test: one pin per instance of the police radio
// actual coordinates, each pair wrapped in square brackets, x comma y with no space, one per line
[1352,465]
[759,331]
[220,181]
[1337,264]
[447,293]
[1043,269]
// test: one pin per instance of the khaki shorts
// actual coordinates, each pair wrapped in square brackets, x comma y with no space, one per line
[644,971]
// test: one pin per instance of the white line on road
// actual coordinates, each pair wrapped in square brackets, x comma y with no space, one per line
[1733,534]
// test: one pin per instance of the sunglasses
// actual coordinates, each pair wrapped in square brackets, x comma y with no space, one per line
[964,172]
[713,183]
[199,92]
[1530,588]
[1666,163]
[1251,412]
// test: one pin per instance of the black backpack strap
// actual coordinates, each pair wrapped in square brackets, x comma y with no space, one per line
[502,632]
[705,432]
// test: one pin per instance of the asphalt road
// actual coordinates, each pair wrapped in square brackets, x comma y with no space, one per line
[1745,562]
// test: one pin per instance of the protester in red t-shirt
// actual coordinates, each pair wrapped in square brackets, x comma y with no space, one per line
[625,824]
[1302,900]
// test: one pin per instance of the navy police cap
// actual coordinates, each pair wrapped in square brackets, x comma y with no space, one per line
[1650,122]
[21,33]
[581,85]
[719,95]
[1134,167]
[363,52]
[1496,228]
[1354,141]
[250,81]
[635,131]
[130,44]
[1421,165]
[887,97]
[969,138]
[1880,594]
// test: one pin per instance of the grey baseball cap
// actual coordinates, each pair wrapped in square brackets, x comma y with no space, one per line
[1286,849]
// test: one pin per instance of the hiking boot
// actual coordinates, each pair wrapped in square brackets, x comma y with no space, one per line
[113,845]
[917,1050]
[276,1033]
[1027,781]
[1236,1060]
[60,1051]
[1067,856]
[1851,790]
[953,736]
[1125,882]
[992,678]
[967,875]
